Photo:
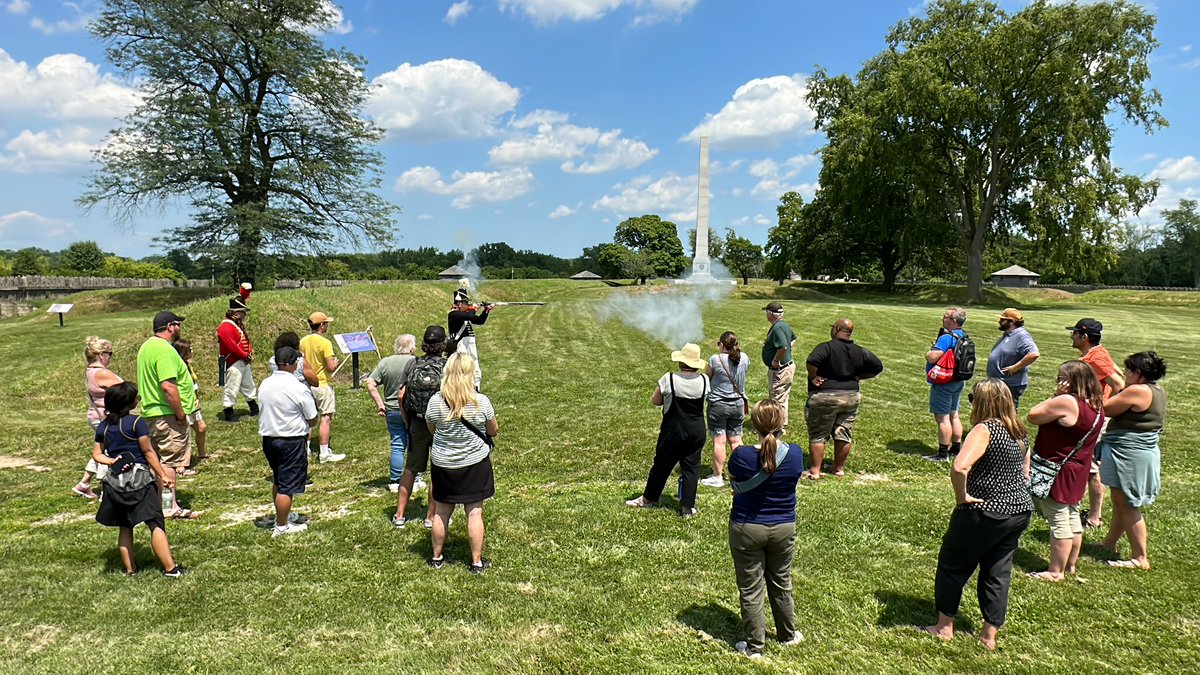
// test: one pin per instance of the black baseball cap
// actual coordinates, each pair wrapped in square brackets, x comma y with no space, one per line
[434,335]
[286,356]
[164,318]
[1087,326]
[774,307]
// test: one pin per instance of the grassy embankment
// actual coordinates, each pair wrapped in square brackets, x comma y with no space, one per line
[580,583]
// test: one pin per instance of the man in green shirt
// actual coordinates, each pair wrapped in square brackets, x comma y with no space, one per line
[168,397]
[777,355]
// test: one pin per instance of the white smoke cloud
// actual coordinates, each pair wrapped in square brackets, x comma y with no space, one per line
[672,315]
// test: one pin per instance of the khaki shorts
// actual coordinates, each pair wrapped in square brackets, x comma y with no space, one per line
[325,400]
[831,413]
[1063,518]
[171,440]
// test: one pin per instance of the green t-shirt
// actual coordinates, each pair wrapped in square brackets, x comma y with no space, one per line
[157,362]
[389,375]
[779,337]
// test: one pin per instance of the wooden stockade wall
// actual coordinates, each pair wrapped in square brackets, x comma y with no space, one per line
[15,292]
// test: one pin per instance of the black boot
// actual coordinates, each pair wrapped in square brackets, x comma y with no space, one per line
[227,415]
[253,407]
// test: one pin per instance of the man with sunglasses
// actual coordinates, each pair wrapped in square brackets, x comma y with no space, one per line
[1012,354]
[1085,336]
[168,397]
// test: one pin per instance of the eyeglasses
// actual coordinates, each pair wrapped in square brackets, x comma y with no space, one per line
[106,353]
[174,323]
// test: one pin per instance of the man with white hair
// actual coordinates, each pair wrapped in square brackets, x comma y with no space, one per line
[389,376]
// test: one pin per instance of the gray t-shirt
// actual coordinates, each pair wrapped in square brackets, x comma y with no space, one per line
[454,445]
[723,390]
[687,385]
[389,375]
[1008,350]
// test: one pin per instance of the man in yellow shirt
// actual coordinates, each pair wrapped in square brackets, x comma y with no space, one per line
[318,351]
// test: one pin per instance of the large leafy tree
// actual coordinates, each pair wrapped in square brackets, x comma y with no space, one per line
[1015,109]
[247,117]
[787,241]
[742,256]
[657,241]
[82,257]
[1182,236]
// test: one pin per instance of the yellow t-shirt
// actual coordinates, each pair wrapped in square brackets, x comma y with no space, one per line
[316,349]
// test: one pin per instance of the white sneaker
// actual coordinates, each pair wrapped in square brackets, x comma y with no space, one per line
[331,456]
[429,523]
[418,484]
[393,487]
[743,649]
[797,638]
[713,481]
[290,528]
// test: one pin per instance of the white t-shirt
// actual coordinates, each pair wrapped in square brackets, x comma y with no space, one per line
[454,445]
[285,406]
[687,385]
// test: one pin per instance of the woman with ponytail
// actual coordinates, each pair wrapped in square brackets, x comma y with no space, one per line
[727,402]
[762,527]
[98,352]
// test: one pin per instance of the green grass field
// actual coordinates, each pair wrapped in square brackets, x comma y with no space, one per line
[580,582]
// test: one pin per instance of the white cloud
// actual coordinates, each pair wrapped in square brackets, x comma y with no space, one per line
[62,86]
[62,149]
[762,113]
[672,195]
[17,7]
[774,179]
[469,188]
[562,211]
[1177,170]
[20,225]
[457,11]
[582,150]
[332,20]
[550,11]
[440,100]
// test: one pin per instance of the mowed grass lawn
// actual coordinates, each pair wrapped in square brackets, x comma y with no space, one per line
[580,582]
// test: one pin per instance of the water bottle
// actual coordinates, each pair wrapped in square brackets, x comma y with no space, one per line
[168,500]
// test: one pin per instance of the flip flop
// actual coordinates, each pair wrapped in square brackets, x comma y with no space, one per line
[1044,576]
[839,474]
[1126,564]
[184,514]
[809,476]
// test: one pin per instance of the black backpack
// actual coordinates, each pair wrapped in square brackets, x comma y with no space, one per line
[423,381]
[964,358]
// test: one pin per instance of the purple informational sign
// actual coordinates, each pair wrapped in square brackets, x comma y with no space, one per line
[355,343]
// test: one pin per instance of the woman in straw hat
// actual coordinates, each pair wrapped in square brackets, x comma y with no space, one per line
[681,436]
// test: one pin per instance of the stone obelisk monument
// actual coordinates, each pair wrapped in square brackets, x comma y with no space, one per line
[701,269]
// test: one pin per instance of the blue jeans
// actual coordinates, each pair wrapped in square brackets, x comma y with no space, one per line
[399,435]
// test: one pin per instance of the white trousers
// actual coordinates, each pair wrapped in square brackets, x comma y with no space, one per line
[467,346]
[238,377]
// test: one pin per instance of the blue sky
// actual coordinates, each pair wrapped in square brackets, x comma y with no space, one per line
[541,123]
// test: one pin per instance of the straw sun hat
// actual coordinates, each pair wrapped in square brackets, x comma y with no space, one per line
[689,356]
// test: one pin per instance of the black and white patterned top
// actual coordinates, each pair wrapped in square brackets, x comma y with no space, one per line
[998,478]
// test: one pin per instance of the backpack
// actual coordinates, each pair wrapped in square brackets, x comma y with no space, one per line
[964,359]
[423,381]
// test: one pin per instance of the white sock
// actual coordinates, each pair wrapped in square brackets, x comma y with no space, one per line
[325,450]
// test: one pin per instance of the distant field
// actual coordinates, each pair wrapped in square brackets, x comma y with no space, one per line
[580,582]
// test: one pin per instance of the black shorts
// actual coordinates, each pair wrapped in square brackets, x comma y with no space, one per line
[468,485]
[419,441]
[288,457]
[127,509]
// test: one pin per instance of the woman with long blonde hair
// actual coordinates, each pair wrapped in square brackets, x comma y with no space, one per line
[762,527]
[992,510]
[463,424]
[98,353]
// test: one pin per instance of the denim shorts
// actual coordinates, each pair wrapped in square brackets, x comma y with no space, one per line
[944,398]
[725,419]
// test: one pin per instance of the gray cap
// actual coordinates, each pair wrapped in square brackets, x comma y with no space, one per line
[286,356]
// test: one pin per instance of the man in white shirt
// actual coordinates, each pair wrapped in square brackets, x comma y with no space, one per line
[287,414]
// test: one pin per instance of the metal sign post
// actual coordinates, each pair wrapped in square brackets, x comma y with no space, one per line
[60,310]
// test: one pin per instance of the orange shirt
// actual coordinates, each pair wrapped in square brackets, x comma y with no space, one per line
[1102,364]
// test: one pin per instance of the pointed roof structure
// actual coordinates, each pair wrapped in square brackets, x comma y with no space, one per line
[1015,271]
[453,272]
[586,275]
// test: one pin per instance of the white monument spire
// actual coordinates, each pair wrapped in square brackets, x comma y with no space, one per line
[701,270]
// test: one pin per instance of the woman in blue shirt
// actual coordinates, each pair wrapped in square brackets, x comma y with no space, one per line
[762,527]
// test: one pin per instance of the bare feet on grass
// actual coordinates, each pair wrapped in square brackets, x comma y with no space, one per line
[939,631]
[987,636]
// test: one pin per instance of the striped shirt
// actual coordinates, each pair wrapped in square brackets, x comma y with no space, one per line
[454,445]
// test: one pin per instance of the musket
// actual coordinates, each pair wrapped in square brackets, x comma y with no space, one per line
[486,305]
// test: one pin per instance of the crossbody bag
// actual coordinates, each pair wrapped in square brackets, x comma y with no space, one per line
[475,430]
[125,475]
[743,486]
[1043,472]
[745,401]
